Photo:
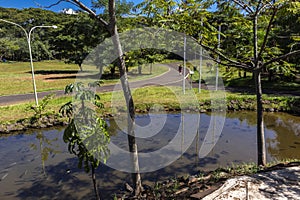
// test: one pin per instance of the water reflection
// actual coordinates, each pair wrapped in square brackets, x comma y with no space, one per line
[21,169]
[282,133]
[285,136]
[46,147]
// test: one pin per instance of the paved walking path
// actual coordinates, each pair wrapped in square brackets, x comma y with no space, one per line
[171,77]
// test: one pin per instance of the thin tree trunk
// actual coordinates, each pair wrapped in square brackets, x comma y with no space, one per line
[131,117]
[261,151]
[112,28]
[129,100]
[80,67]
[270,76]
[95,184]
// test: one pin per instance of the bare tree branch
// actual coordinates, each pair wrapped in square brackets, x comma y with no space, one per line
[280,58]
[112,15]
[244,6]
[223,57]
[81,6]
[258,9]
[240,66]
[267,34]
[51,5]
[92,13]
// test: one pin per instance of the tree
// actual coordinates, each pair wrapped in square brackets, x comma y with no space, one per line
[187,16]
[111,27]
[286,38]
[86,133]
[27,18]
[256,12]
[76,38]
[7,47]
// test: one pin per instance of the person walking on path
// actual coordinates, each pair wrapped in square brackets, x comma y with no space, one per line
[180,69]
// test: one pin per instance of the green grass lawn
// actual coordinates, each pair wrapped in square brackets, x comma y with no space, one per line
[15,77]
[54,75]
[247,82]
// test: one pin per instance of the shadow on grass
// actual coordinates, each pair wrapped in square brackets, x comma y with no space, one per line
[48,72]
[247,86]
[85,75]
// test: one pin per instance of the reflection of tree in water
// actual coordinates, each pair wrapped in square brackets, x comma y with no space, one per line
[247,117]
[59,184]
[46,148]
[112,127]
[286,141]
[283,135]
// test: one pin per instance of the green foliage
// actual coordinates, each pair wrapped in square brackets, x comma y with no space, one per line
[17,48]
[195,19]
[76,37]
[144,56]
[86,134]
[7,47]
[40,109]
[123,7]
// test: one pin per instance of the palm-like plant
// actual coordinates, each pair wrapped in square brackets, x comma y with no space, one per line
[86,133]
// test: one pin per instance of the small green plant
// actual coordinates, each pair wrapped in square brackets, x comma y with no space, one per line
[157,188]
[216,175]
[175,183]
[246,168]
[40,109]
[115,197]
[86,134]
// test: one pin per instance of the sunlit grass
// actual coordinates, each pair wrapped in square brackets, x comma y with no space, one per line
[15,77]
[22,110]
[144,98]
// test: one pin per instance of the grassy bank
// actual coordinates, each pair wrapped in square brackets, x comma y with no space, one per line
[158,98]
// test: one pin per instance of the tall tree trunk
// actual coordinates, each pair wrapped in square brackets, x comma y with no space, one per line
[261,151]
[151,66]
[95,183]
[80,67]
[129,100]
[270,76]
[136,178]
[112,29]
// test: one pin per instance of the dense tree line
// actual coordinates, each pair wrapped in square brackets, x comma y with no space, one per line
[13,44]
[78,34]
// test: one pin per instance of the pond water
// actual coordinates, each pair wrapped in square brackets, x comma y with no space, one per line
[37,165]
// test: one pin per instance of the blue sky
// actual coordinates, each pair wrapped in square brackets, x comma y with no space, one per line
[34,3]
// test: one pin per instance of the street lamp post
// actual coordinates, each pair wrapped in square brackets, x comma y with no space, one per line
[28,35]
[184,63]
